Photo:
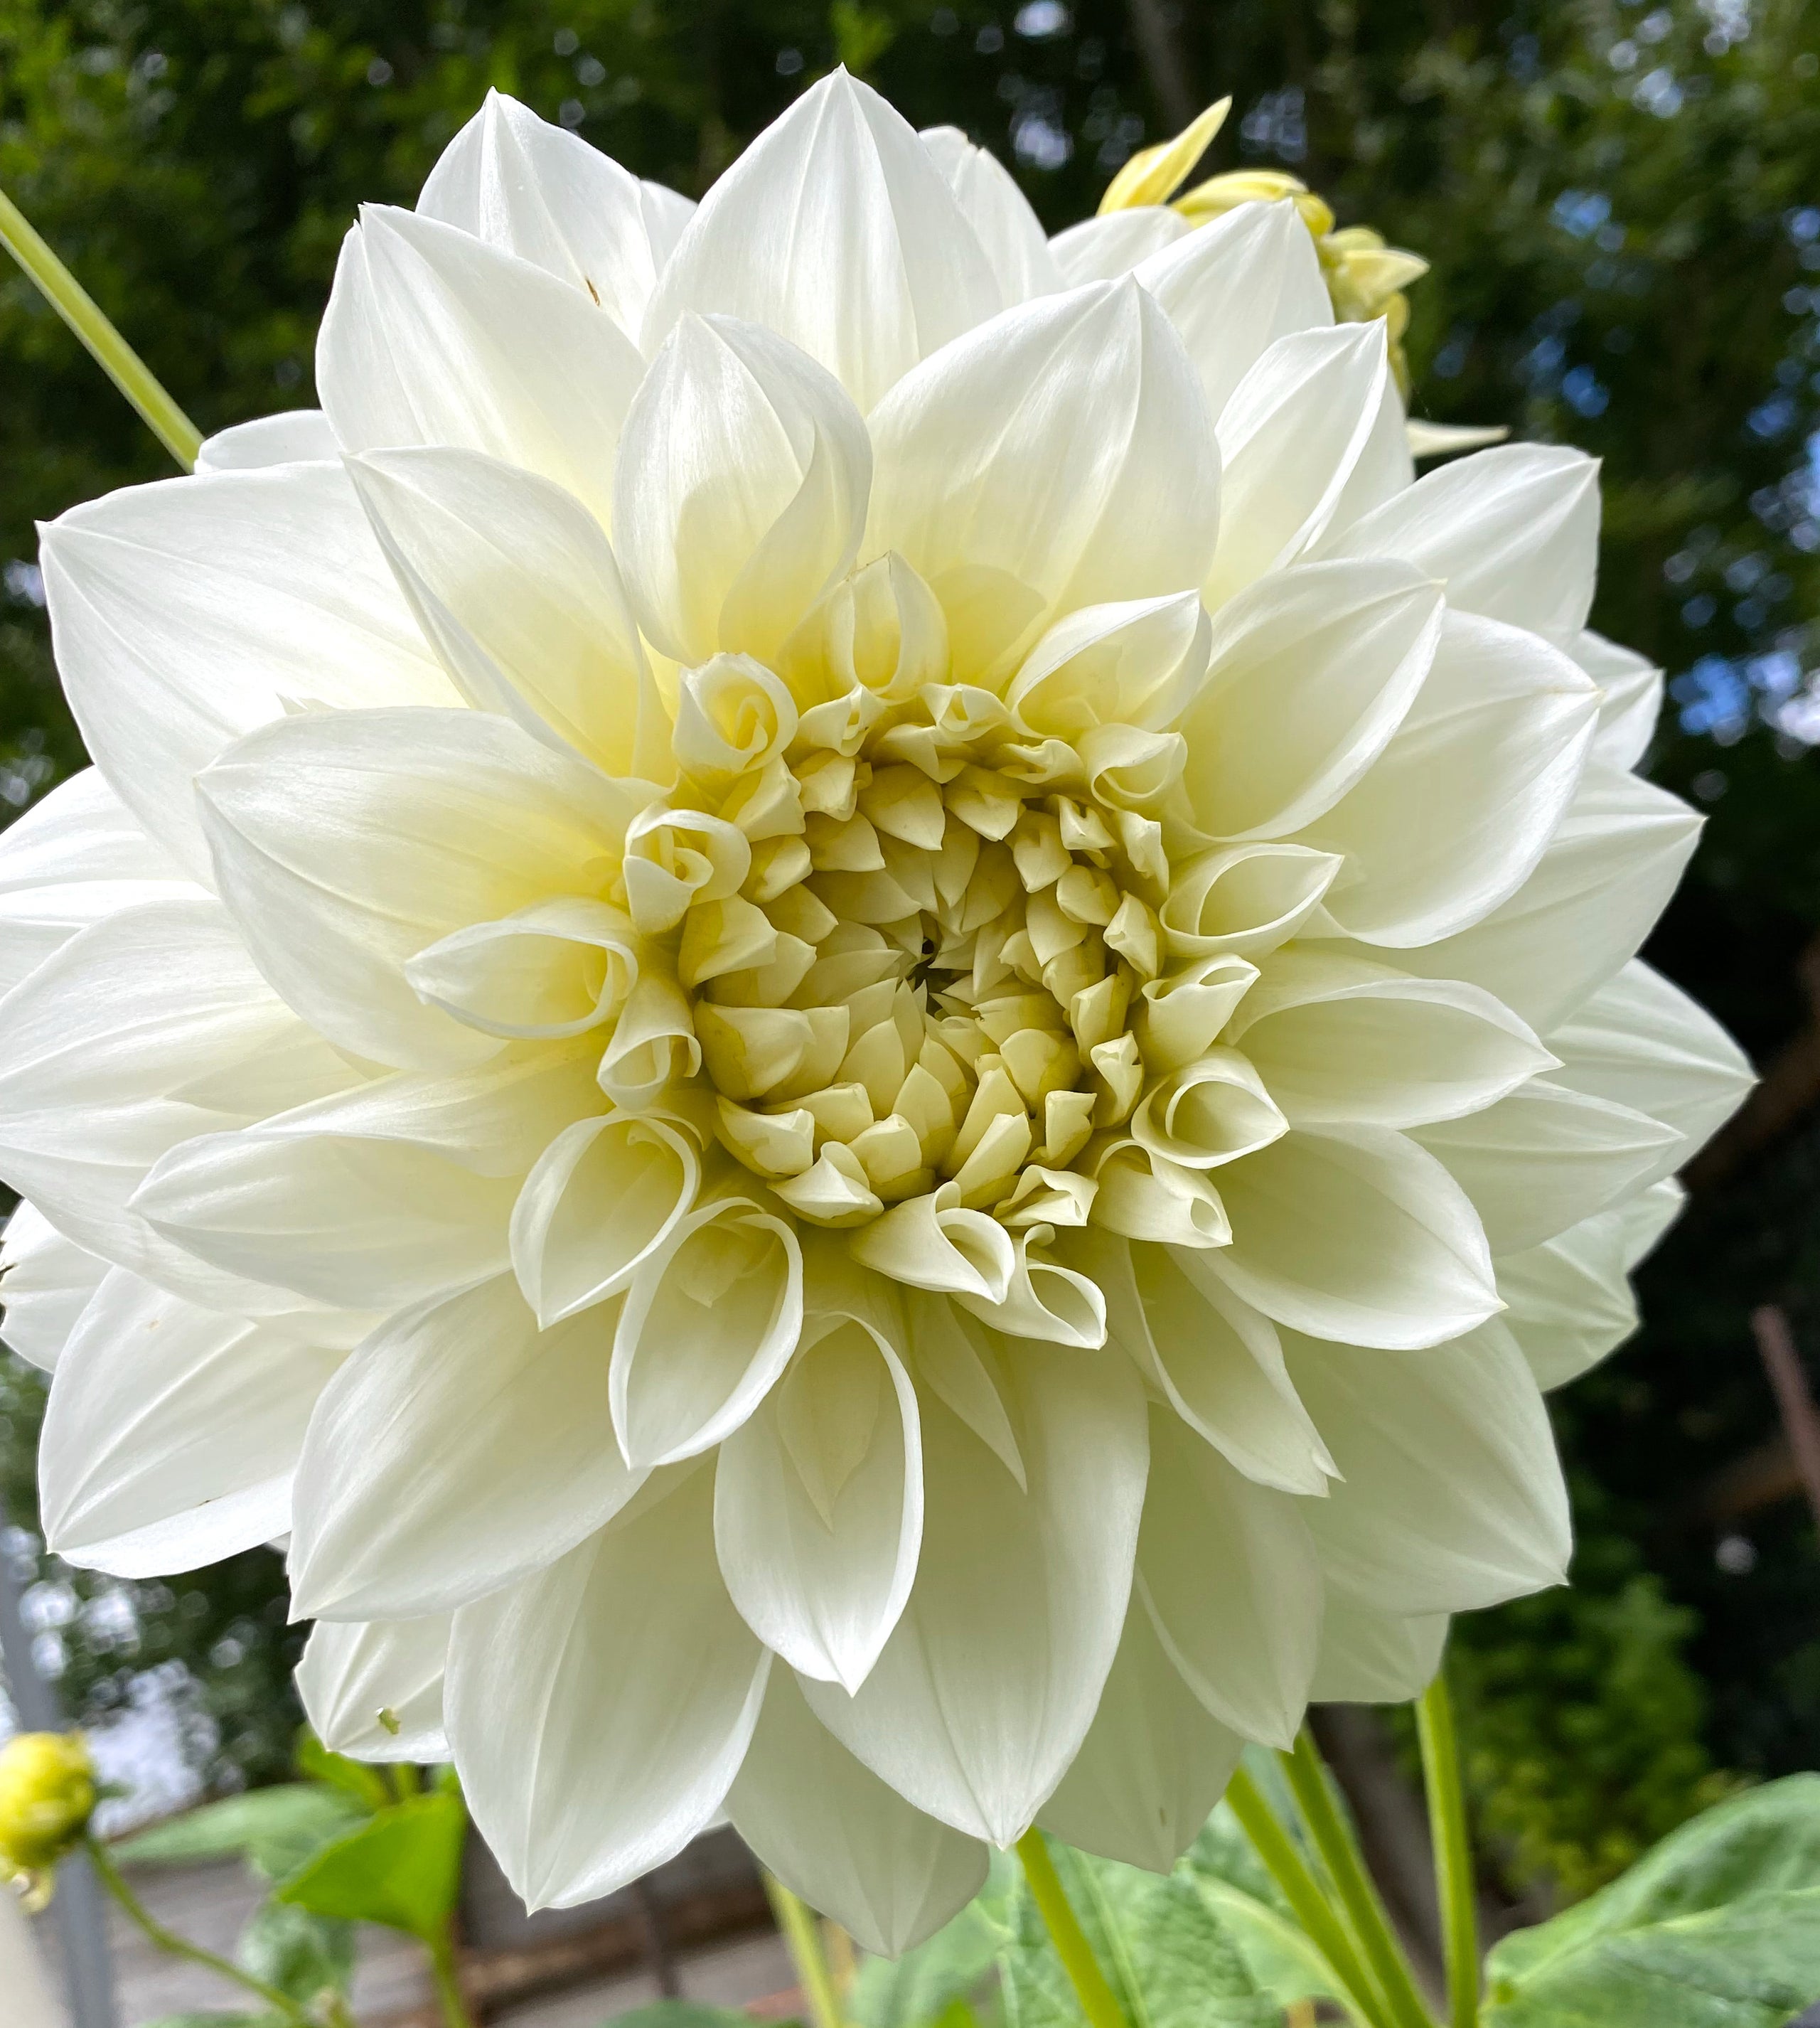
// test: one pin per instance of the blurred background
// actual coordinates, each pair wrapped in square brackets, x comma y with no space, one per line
[1621,203]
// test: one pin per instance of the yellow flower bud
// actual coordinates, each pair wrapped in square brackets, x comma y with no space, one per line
[47,1795]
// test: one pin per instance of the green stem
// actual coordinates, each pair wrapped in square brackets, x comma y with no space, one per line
[1307,1780]
[117,359]
[180,1947]
[797,1924]
[448,1984]
[1097,2000]
[1454,1884]
[1308,1904]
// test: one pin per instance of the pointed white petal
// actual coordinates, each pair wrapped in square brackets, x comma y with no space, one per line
[1642,1042]
[818,1505]
[513,582]
[1059,456]
[1152,1765]
[1337,1038]
[599,1711]
[1234,287]
[373,1689]
[1357,1233]
[1458,807]
[543,194]
[741,490]
[1375,1658]
[1451,1495]
[346,843]
[1227,1573]
[1514,532]
[1311,673]
[460,1448]
[836,1835]
[172,1432]
[1593,897]
[433,337]
[294,436]
[984,1693]
[1008,231]
[1630,701]
[46,1283]
[836,231]
[1101,250]
[1570,1302]
[185,613]
[709,1323]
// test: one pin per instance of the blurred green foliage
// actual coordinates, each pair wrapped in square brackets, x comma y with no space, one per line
[1620,200]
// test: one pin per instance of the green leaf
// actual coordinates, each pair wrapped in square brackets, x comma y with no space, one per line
[366,1786]
[920,1987]
[275,1829]
[301,1954]
[1718,1926]
[401,1867]
[1168,1955]
[1283,1959]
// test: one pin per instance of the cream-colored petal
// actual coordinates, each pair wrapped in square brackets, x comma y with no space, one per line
[1009,232]
[372,1690]
[1375,1658]
[1102,249]
[47,1281]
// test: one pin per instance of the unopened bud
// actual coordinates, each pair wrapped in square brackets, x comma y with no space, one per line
[48,1794]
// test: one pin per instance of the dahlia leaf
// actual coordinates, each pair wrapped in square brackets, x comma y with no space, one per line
[276,1830]
[403,1869]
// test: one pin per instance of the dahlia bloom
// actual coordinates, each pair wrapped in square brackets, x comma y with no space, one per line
[848,1004]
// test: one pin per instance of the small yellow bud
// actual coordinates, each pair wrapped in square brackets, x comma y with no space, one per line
[46,1796]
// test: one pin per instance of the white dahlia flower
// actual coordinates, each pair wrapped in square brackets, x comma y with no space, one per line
[862,1022]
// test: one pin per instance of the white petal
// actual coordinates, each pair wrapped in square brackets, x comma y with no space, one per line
[358,1223]
[1570,1302]
[1311,673]
[1336,1037]
[294,436]
[1131,663]
[604,1196]
[709,1323]
[1059,456]
[185,613]
[172,1433]
[1355,1232]
[1227,1573]
[1593,897]
[983,1694]
[1215,1360]
[460,1448]
[742,489]
[1234,287]
[98,1048]
[1291,438]
[1642,1042]
[1514,532]
[545,195]
[373,1689]
[1630,698]
[1458,807]
[1152,1765]
[1045,1299]
[46,1282]
[599,1711]
[433,337]
[1101,250]
[818,1505]
[344,844]
[547,972]
[1375,1658]
[836,230]
[1009,231]
[1450,1495]
[513,581]
[838,1837]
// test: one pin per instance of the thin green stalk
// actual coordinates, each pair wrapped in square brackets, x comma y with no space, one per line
[1308,1904]
[797,1922]
[117,359]
[448,1984]
[1454,1884]
[180,1947]
[1097,1999]
[1307,1780]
